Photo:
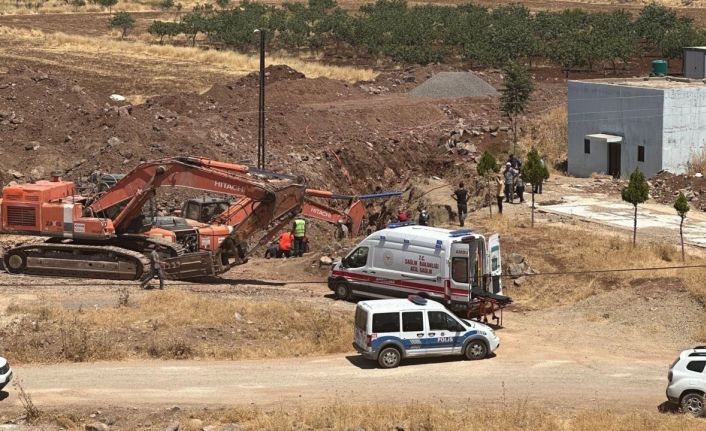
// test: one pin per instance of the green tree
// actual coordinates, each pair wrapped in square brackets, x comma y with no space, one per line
[222,3]
[509,37]
[486,167]
[166,4]
[108,4]
[533,171]
[566,37]
[636,192]
[682,207]
[124,21]
[518,88]
[615,37]
[164,28]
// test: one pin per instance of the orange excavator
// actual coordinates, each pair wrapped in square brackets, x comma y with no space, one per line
[216,210]
[108,236]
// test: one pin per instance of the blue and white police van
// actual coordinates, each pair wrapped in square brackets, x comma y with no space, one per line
[389,330]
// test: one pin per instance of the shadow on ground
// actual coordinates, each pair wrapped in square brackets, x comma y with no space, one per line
[235,281]
[368,364]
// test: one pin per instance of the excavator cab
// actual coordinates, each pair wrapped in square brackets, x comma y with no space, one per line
[204,209]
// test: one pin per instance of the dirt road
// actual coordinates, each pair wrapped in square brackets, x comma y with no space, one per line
[553,383]
[547,358]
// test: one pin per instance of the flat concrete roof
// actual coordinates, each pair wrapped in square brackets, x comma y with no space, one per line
[604,137]
[651,82]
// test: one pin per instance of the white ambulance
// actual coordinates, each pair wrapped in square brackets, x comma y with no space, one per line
[459,268]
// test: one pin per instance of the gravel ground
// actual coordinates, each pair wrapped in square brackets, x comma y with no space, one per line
[454,84]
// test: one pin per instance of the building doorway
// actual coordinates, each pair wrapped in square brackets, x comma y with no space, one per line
[614,159]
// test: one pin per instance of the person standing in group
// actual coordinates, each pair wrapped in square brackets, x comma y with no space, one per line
[155,270]
[423,217]
[509,178]
[285,244]
[499,194]
[520,187]
[299,231]
[514,162]
[461,196]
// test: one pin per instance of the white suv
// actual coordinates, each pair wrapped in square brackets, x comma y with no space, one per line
[687,381]
[5,373]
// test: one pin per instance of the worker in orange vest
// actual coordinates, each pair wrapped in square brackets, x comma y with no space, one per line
[285,244]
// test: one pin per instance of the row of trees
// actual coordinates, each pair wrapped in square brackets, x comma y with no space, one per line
[571,38]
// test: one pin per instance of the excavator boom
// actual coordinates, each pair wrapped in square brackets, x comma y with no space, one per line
[124,201]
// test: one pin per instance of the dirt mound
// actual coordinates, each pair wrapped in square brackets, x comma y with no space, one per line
[48,121]
[666,186]
[337,135]
[273,73]
[446,85]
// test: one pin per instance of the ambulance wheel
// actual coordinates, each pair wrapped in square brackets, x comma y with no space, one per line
[389,357]
[342,291]
[475,350]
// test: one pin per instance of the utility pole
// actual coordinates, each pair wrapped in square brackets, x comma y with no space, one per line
[261,108]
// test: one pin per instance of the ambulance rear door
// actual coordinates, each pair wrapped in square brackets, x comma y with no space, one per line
[459,273]
[494,263]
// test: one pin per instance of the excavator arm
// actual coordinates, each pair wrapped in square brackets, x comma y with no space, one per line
[263,201]
[124,201]
[352,216]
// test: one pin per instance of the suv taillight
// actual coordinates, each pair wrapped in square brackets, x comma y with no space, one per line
[369,340]
[669,376]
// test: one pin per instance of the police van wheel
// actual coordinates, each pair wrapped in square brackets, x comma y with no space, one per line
[475,350]
[389,357]
[342,291]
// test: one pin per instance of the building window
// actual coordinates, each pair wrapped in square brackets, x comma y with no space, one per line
[587,146]
[640,153]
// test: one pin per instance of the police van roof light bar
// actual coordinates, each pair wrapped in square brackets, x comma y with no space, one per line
[400,224]
[460,232]
[416,299]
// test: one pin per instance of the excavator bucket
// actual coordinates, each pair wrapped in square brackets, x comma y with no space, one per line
[189,266]
[356,212]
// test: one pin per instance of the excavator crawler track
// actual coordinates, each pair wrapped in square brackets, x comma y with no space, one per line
[79,261]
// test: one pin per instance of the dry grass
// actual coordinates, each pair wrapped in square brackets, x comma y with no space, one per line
[548,134]
[550,248]
[24,7]
[346,415]
[223,62]
[174,325]
[383,417]
[697,162]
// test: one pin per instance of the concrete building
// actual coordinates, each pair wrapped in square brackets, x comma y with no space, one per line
[694,65]
[616,125]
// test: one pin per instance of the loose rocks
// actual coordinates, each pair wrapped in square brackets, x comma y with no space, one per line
[445,85]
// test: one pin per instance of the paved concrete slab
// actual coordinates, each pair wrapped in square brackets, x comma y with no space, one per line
[605,210]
